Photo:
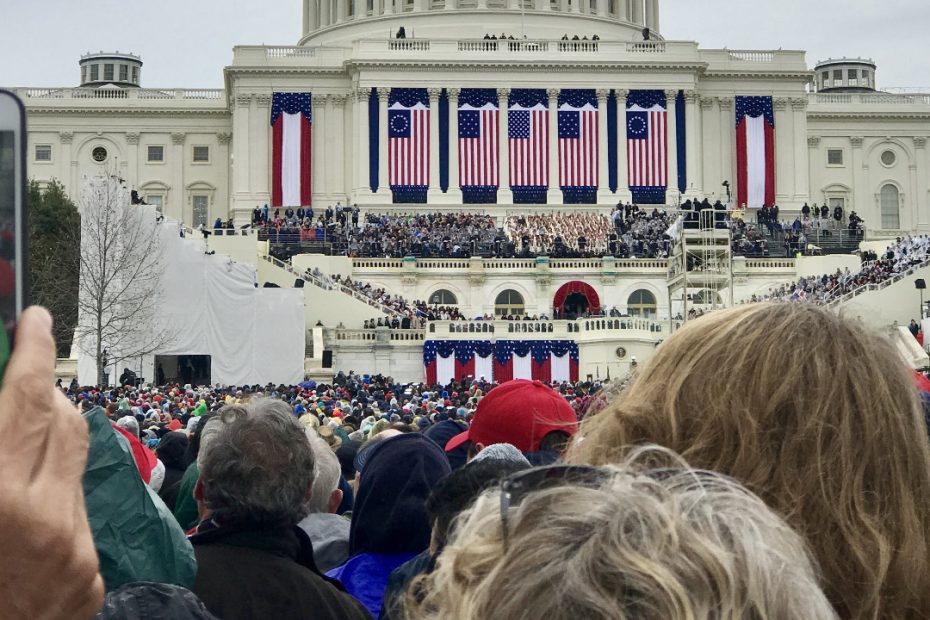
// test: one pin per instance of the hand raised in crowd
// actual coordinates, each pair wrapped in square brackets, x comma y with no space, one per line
[49,567]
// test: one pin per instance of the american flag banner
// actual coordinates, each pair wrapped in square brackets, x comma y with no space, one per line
[549,361]
[479,120]
[528,137]
[408,139]
[578,138]
[647,140]
[291,133]
[755,152]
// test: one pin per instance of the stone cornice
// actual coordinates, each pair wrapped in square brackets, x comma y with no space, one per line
[903,116]
[180,112]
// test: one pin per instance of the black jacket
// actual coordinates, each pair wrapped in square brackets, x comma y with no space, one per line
[249,574]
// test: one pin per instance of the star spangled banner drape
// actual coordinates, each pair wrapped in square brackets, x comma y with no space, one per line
[578,139]
[647,140]
[755,152]
[408,144]
[479,123]
[543,360]
[528,137]
[291,142]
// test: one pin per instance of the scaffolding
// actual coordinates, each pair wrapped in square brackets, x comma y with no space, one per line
[701,265]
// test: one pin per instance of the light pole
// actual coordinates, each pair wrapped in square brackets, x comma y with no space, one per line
[920,284]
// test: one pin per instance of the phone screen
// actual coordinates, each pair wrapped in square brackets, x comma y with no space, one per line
[8,178]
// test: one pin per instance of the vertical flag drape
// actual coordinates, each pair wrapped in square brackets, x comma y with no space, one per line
[408,144]
[544,360]
[291,131]
[755,152]
[528,138]
[647,137]
[478,144]
[578,150]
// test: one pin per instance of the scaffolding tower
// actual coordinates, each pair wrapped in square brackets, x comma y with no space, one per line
[701,265]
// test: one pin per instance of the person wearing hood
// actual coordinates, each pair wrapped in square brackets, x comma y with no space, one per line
[171,451]
[389,523]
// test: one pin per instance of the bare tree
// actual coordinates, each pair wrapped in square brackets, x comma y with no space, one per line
[121,273]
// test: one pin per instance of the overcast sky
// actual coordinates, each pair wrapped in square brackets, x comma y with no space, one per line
[186,43]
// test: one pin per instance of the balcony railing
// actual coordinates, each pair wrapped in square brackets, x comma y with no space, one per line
[185,94]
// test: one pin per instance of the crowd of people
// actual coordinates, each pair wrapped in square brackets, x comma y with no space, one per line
[445,235]
[904,254]
[706,486]
[413,314]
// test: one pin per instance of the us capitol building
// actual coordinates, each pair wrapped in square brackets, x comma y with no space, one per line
[201,154]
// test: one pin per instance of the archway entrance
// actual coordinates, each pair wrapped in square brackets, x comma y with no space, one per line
[574,299]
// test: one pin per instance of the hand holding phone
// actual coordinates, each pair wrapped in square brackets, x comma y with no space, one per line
[12,219]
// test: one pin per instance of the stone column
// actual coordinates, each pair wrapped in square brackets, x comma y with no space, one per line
[362,177]
[223,139]
[260,138]
[623,174]
[341,8]
[177,206]
[132,155]
[652,15]
[638,13]
[504,193]
[307,18]
[454,193]
[554,195]
[784,152]
[435,190]
[859,200]
[920,191]
[601,8]
[482,4]
[326,18]
[801,180]
[451,5]
[384,185]
[360,9]
[672,193]
[692,161]
[388,7]
[576,6]
[604,195]
[727,144]
[710,162]
[242,191]
[337,108]
[321,149]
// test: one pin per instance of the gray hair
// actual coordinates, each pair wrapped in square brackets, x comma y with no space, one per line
[640,544]
[326,472]
[256,465]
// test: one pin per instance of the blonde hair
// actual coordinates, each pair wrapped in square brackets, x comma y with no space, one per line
[816,415]
[638,546]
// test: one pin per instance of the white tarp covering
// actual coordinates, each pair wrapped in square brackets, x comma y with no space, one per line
[211,306]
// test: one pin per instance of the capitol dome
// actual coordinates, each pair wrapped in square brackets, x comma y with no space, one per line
[340,22]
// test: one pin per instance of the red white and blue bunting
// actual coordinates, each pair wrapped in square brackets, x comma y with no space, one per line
[550,361]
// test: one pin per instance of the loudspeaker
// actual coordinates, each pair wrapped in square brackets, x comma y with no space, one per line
[270,285]
[327,358]
[299,283]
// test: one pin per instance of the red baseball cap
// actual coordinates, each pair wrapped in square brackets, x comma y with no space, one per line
[520,413]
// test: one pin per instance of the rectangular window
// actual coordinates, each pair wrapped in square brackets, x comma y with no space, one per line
[43,152]
[156,153]
[852,73]
[135,75]
[201,154]
[108,72]
[834,157]
[838,75]
[83,74]
[124,73]
[94,73]
[200,210]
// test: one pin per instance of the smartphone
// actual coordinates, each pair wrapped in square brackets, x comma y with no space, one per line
[13,285]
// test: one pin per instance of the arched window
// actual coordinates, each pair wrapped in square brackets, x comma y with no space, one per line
[508,303]
[442,297]
[891,207]
[642,303]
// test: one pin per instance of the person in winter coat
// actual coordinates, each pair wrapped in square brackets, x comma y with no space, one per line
[171,452]
[389,523]
[256,475]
